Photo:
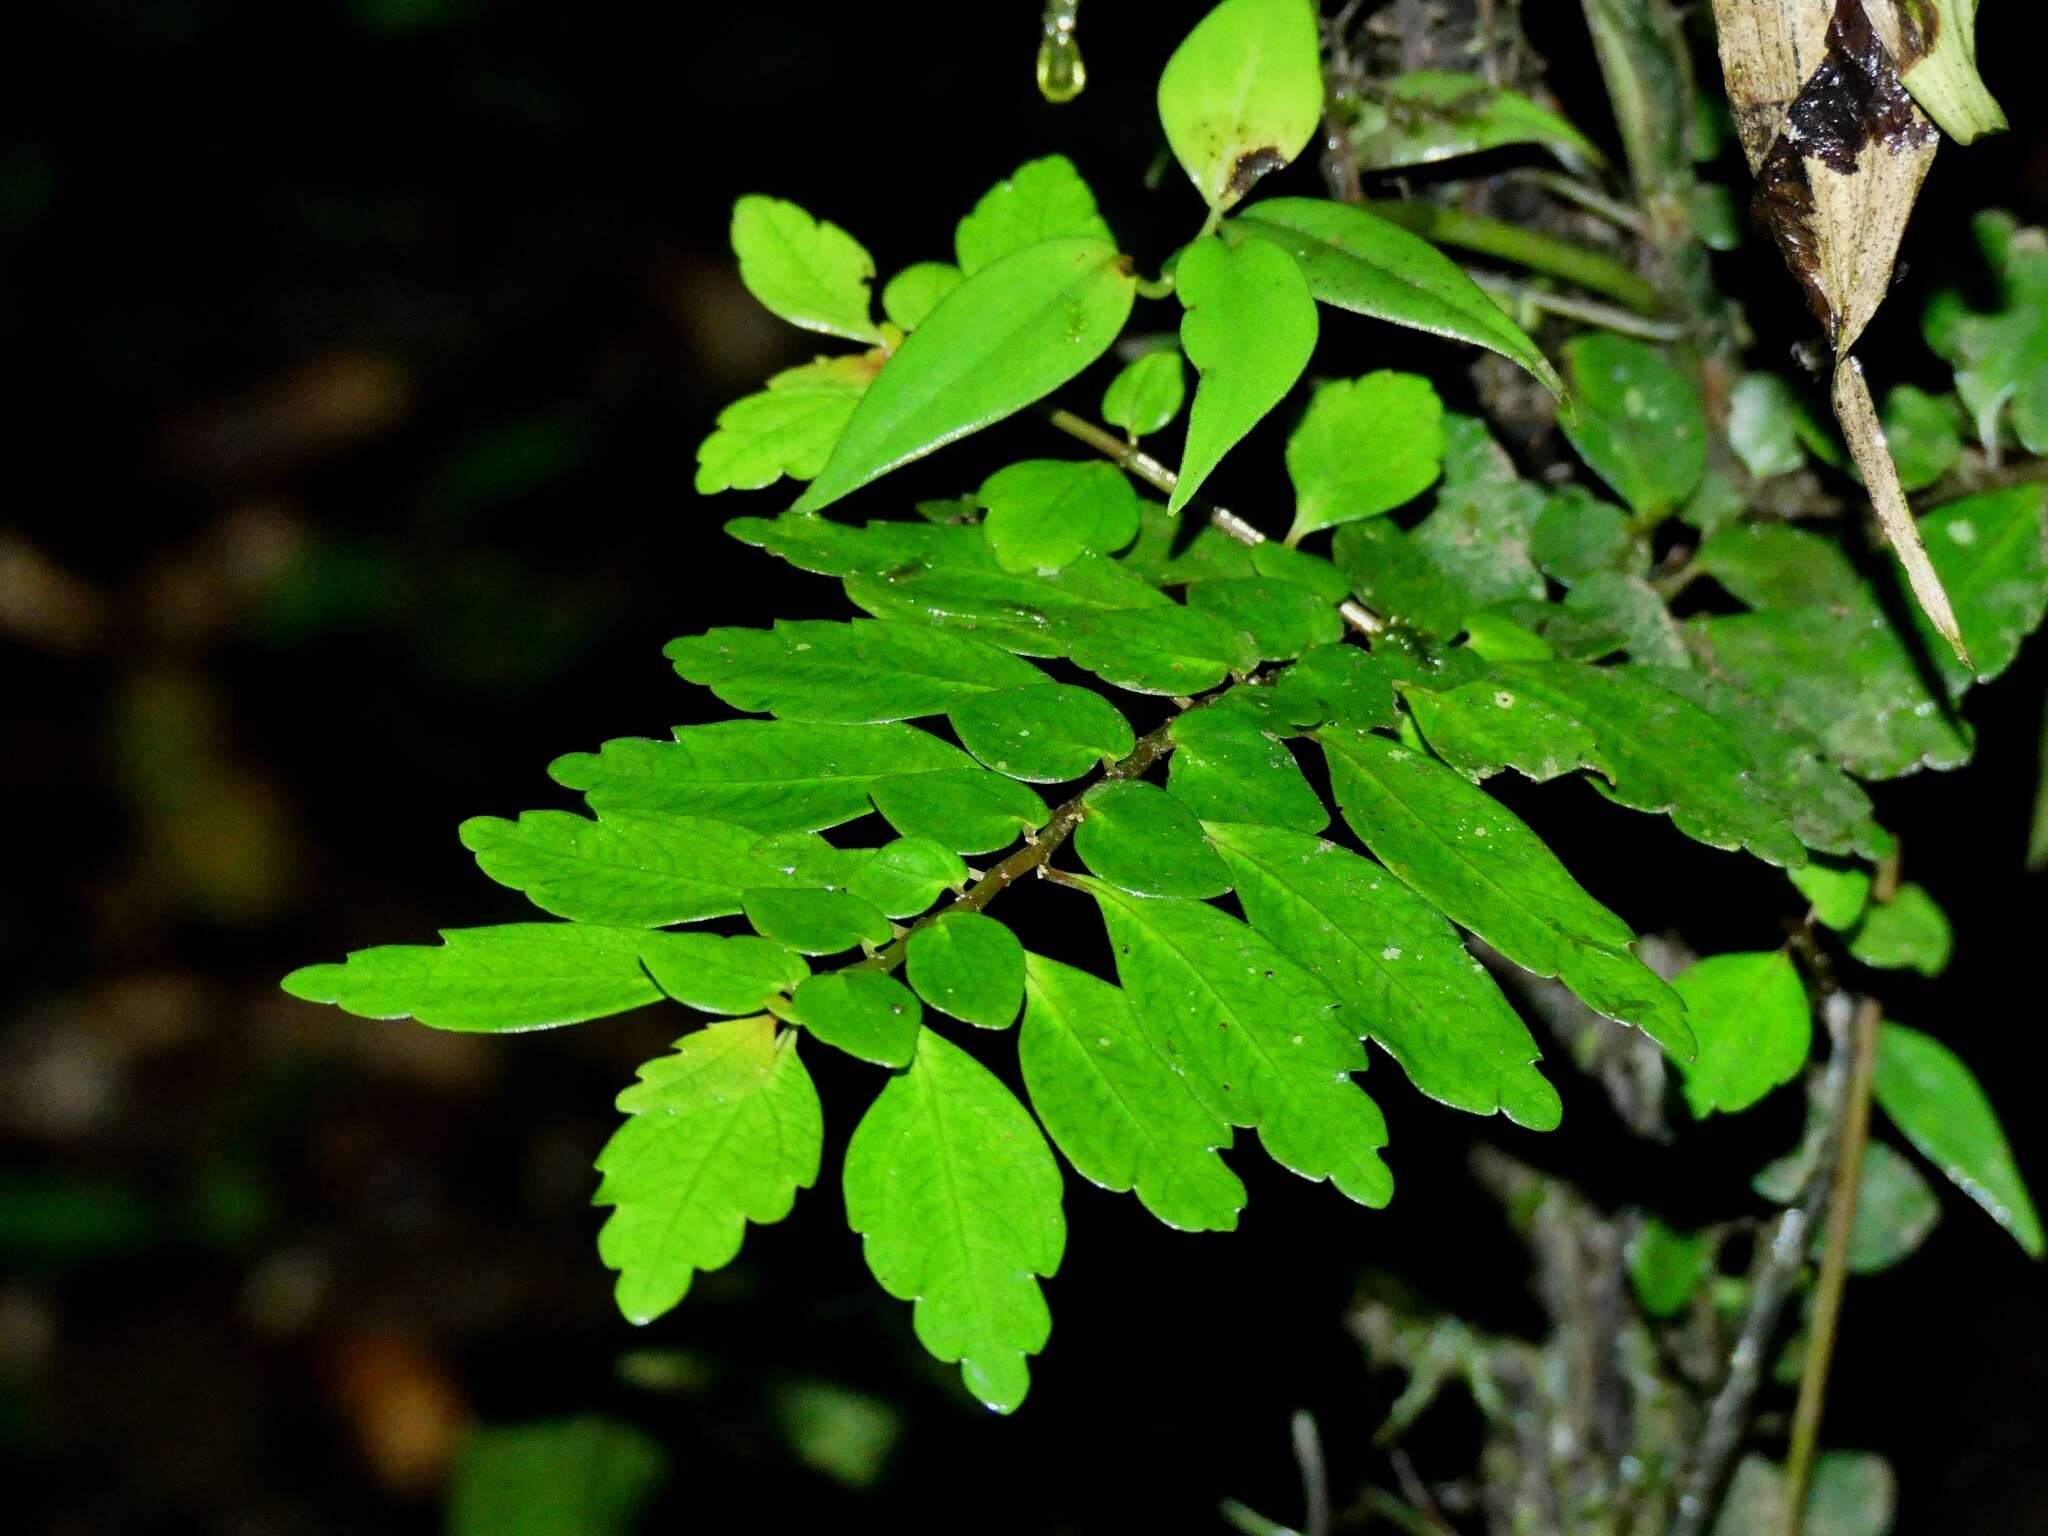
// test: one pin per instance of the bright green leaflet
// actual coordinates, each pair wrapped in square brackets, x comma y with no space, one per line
[717,974]
[1638,424]
[2001,358]
[1341,683]
[1895,1211]
[1398,969]
[1481,728]
[1141,838]
[969,966]
[1147,394]
[1242,95]
[1577,535]
[723,1131]
[1257,1037]
[864,1013]
[1044,200]
[1941,1108]
[816,922]
[1909,932]
[1012,333]
[1045,733]
[1363,447]
[1357,261]
[1229,764]
[1838,893]
[915,292]
[1282,619]
[810,273]
[1316,572]
[586,1476]
[1249,329]
[1044,513]
[845,549]
[905,876]
[1114,1103]
[1169,649]
[780,776]
[1749,1014]
[1991,552]
[958,1198]
[1474,861]
[625,869]
[1667,1266]
[970,810]
[1022,612]
[786,429]
[1920,430]
[1396,578]
[1429,115]
[515,976]
[1763,427]
[845,673]
[1492,636]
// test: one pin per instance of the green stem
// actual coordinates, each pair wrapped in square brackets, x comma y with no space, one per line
[1834,1269]
[1588,268]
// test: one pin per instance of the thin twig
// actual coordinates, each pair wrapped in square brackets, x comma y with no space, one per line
[1417,1493]
[1315,1477]
[1608,317]
[1834,1269]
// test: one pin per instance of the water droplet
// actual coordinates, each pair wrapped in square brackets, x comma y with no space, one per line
[1061,74]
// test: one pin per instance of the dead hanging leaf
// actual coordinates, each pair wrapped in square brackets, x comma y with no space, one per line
[1839,148]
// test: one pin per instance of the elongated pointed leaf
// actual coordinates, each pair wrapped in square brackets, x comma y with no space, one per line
[816,922]
[1398,968]
[1117,1106]
[516,976]
[718,974]
[1242,94]
[1943,1110]
[1750,1016]
[1012,333]
[1258,1038]
[1357,261]
[969,966]
[1249,329]
[722,1132]
[1478,864]
[810,273]
[958,1198]
[852,673]
[1044,733]
[1168,649]
[1429,115]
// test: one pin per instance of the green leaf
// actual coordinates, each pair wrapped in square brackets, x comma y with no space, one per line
[623,869]
[586,1476]
[816,922]
[1429,115]
[1576,536]
[1397,579]
[1147,394]
[1229,764]
[968,809]
[958,1198]
[1942,1110]
[1750,1016]
[1908,932]
[1484,524]
[1043,513]
[515,976]
[1638,424]
[845,673]
[1920,430]
[1358,261]
[812,274]
[787,429]
[864,1013]
[1045,733]
[1895,1210]
[1249,329]
[1667,1266]
[1763,425]
[1283,619]
[1493,636]
[1363,447]
[1838,893]
[1631,608]
[1341,684]
[1173,550]
[1659,752]
[1257,1038]
[1044,200]
[1991,552]
[1012,333]
[905,876]
[1398,970]
[1280,562]
[1243,94]
[2001,357]
[969,966]
[841,549]
[1139,837]
[1774,565]
[1167,650]
[722,1132]
[916,291]
[1475,862]
[1116,1104]
[715,974]
[1021,612]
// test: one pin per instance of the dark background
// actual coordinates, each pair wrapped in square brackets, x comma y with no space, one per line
[360,349]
